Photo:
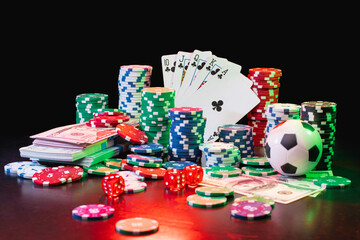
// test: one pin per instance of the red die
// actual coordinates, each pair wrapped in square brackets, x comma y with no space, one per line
[193,175]
[174,179]
[113,185]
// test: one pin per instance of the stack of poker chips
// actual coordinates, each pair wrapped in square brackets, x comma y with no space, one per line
[257,166]
[240,135]
[107,118]
[279,112]
[88,103]
[154,119]
[266,84]
[186,134]
[132,79]
[220,154]
[322,116]
[148,149]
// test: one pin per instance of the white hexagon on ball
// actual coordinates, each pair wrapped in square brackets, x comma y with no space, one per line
[293,148]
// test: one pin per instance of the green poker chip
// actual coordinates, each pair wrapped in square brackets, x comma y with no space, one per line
[332,182]
[255,161]
[100,169]
[214,191]
[144,164]
[223,172]
[262,172]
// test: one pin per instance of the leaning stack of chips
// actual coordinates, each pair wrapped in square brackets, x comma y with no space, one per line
[154,119]
[132,79]
[240,135]
[88,103]
[266,85]
[107,118]
[186,133]
[322,116]
[257,166]
[148,149]
[220,154]
[279,112]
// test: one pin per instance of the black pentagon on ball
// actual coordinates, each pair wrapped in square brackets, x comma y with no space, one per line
[313,153]
[289,141]
[267,150]
[288,168]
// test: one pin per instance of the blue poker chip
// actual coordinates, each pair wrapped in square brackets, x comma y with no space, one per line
[147,148]
[184,151]
[187,141]
[177,164]
[183,146]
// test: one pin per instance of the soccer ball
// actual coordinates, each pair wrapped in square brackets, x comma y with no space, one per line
[293,148]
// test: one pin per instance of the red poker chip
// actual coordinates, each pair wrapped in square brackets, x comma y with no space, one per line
[107,113]
[93,123]
[154,173]
[131,134]
[76,173]
[51,176]
[263,78]
[112,119]
[265,71]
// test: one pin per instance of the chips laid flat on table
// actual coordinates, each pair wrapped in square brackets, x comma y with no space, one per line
[250,209]
[137,226]
[93,212]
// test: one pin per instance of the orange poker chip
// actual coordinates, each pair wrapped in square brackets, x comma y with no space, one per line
[137,226]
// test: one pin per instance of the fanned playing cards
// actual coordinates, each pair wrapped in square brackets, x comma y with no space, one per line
[216,85]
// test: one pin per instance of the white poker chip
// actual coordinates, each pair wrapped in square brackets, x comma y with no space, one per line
[134,186]
[11,168]
[28,171]
[216,147]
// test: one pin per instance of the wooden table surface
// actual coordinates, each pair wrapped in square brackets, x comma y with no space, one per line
[28,211]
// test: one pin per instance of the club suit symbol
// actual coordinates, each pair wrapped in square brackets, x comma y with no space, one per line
[173,67]
[213,72]
[201,65]
[217,105]
[193,64]
[167,69]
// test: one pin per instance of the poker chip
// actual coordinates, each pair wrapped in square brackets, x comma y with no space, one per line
[134,186]
[51,176]
[144,159]
[198,201]
[93,212]
[256,171]
[100,169]
[332,182]
[223,172]
[147,148]
[266,200]
[239,135]
[89,103]
[177,164]
[114,163]
[111,119]
[250,209]
[216,147]
[137,226]
[144,164]
[154,118]
[130,176]
[185,112]
[214,191]
[75,173]
[28,171]
[255,161]
[131,134]
[153,173]
[266,84]
[132,80]
[322,116]
[12,168]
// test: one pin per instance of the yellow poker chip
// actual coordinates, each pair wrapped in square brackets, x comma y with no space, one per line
[214,191]
[205,202]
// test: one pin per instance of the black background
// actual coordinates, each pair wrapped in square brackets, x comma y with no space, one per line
[53,56]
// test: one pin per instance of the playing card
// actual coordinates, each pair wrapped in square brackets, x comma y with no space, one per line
[197,61]
[224,101]
[182,61]
[168,68]
[213,66]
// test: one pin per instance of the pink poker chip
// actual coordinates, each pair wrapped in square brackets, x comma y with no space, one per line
[93,212]
[136,67]
[250,209]
[190,110]
[112,119]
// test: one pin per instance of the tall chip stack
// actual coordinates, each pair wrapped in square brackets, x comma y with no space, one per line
[322,116]
[154,119]
[87,104]
[266,84]
[279,112]
[239,135]
[132,79]
[186,134]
